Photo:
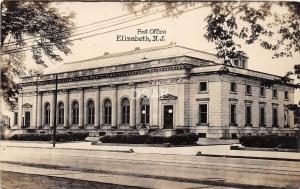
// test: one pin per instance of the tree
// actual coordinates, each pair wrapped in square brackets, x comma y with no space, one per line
[30,26]
[231,24]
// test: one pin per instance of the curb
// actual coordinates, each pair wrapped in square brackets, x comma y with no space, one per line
[249,157]
[124,151]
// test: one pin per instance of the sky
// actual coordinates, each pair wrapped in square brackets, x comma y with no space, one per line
[186,29]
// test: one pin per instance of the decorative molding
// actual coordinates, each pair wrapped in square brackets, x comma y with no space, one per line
[27,105]
[111,74]
[248,101]
[168,97]
[233,99]
[202,99]
[262,103]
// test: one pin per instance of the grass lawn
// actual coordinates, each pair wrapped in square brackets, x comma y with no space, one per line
[12,180]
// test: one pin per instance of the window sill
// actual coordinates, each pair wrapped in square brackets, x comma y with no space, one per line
[286,99]
[274,98]
[202,124]
[264,125]
[248,94]
[202,92]
[233,124]
[141,124]
[233,92]
[248,125]
[286,126]
[275,126]
[262,96]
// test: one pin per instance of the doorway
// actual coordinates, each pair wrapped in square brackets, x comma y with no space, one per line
[27,119]
[168,117]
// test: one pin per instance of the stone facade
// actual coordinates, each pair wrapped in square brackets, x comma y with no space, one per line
[169,91]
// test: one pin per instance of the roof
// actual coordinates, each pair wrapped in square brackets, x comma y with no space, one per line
[134,56]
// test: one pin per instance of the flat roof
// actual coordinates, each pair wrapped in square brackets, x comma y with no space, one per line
[133,56]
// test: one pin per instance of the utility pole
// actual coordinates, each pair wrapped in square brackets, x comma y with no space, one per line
[55,104]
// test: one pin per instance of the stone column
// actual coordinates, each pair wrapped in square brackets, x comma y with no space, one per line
[180,104]
[20,110]
[114,102]
[33,123]
[154,114]
[70,110]
[81,108]
[97,115]
[66,109]
[39,109]
[52,110]
[133,107]
[101,117]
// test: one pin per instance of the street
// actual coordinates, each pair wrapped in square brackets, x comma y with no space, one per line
[127,168]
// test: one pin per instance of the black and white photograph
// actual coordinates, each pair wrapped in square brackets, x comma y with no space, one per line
[150,94]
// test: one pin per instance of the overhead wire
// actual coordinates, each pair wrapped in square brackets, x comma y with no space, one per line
[83,26]
[129,26]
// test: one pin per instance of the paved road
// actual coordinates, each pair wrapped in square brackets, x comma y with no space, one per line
[212,171]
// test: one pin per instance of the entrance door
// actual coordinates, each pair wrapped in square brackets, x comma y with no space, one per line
[168,117]
[27,119]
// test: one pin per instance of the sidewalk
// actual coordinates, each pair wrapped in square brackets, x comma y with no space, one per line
[214,150]
[105,178]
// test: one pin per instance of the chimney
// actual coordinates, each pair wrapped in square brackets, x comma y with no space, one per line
[106,53]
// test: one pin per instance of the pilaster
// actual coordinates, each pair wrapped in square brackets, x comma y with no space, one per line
[39,109]
[66,109]
[114,105]
[133,106]
[97,108]
[81,109]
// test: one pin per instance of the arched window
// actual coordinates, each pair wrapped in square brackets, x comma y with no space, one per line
[60,113]
[107,112]
[91,112]
[75,113]
[145,111]
[125,107]
[47,114]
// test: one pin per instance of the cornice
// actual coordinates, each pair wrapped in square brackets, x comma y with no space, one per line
[111,75]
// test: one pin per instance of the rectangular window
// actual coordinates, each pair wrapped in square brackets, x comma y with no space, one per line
[286,95]
[297,116]
[286,117]
[60,116]
[107,115]
[275,93]
[125,114]
[275,117]
[236,62]
[233,114]
[203,112]
[145,114]
[262,119]
[75,116]
[91,115]
[47,117]
[203,86]
[248,89]
[262,91]
[233,87]
[16,117]
[248,115]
